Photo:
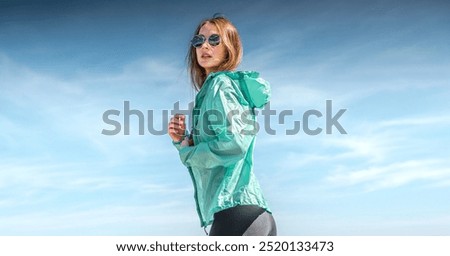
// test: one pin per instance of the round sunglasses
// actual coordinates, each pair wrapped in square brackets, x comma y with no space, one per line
[199,40]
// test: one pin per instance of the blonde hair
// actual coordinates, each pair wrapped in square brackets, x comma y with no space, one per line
[229,37]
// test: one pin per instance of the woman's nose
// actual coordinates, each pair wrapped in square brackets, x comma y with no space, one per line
[205,45]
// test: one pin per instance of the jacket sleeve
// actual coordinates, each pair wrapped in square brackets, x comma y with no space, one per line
[225,123]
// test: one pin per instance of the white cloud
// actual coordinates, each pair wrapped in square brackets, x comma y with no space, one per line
[53,151]
[392,175]
[416,121]
[106,220]
[373,224]
[374,156]
[391,156]
[47,108]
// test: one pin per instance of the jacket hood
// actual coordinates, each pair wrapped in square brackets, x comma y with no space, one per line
[255,89]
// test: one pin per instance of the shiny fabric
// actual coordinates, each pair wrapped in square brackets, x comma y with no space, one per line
[224,127]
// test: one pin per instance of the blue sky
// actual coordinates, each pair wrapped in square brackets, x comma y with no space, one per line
[63,64]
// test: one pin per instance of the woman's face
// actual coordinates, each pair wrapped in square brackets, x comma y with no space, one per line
[210,57]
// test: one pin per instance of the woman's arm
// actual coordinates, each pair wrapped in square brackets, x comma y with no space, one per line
[229,144]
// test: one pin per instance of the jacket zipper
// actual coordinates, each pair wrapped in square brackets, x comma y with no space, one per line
[202,221]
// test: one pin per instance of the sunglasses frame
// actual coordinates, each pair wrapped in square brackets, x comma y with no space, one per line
[198,40]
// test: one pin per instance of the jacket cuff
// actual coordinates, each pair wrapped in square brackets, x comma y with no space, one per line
[177,144]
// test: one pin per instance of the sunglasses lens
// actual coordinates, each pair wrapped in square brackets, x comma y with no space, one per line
[214,40]
[198,40]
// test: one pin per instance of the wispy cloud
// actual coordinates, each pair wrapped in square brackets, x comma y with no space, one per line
[55,157]
[66,198]
[43,105]
[394,155]
[393,175]
[416,121]
[104,220]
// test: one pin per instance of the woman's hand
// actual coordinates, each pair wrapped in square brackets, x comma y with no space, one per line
[185,142]
[177,127]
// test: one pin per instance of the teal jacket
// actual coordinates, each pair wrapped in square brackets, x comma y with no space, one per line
[224,127]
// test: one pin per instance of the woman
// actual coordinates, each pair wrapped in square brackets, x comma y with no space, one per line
[219,151]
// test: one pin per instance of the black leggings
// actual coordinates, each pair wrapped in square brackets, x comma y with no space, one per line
[243,220]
